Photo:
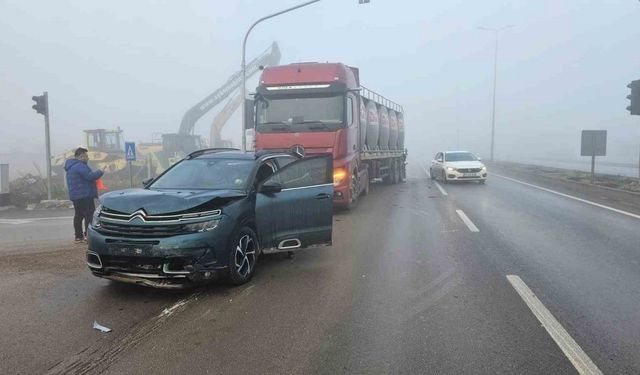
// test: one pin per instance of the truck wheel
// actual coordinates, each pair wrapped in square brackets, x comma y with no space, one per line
[388,179]
[396,174]
[353,192]
[367,182]
[243,256]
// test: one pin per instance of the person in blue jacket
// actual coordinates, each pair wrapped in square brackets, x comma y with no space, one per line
[81,182]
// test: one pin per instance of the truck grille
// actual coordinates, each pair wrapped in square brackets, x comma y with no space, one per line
[469,170]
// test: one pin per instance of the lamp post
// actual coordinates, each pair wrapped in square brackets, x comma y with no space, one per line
[495,79]
[244,75]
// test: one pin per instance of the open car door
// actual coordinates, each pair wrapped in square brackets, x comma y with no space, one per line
[294,207]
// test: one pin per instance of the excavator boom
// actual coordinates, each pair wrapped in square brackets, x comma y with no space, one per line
[269,57]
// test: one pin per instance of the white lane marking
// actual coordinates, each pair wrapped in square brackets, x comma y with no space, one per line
[31,220]
[440,188]
[436,182]
[50,218]
[15,221]
[472,227]
[567,344]
[569,196]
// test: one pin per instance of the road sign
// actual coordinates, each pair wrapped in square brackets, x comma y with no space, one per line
[130,151]
[594,143]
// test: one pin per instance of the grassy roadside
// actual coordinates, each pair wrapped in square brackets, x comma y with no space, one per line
[621,183]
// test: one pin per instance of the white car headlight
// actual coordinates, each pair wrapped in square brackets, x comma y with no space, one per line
[484,169]
[95,221]
[451,169]
[203,226]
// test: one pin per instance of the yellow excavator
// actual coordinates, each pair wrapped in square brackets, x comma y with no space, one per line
[106,147]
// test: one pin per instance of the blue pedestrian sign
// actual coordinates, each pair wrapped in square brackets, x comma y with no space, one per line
[130,151]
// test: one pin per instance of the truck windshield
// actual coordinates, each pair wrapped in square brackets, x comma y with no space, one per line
[300,114]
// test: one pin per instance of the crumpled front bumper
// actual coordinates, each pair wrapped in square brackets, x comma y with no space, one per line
[175,262]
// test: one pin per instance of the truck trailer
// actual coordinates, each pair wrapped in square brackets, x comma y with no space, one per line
[321,108]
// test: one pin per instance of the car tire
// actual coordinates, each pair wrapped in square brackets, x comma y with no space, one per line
[482,182]
[444,177]
[243,256]
[433,177]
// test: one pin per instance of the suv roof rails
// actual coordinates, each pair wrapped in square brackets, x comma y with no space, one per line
[261,153]
[210,151]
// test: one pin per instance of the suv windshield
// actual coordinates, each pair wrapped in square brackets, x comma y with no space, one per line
[300,114]
[206,174]
[460,156]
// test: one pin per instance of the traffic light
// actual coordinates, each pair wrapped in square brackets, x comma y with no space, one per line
[634,108]
[41,105]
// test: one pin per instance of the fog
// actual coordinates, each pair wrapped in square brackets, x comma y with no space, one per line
[140,65]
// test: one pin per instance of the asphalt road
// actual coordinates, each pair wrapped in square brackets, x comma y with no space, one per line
[416,282]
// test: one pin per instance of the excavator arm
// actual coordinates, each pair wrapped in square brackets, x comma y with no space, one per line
[271,56]
[221,119]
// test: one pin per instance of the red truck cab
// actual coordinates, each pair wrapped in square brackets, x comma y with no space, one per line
[311,108]
[319,108]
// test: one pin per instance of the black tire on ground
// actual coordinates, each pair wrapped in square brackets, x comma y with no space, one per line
[433,177]
[367,183]
[353,192]
[388,179]
[482,182]
[444,177]
[394,173]
[243,256]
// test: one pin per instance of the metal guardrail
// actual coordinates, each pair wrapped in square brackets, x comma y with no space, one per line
[371,95]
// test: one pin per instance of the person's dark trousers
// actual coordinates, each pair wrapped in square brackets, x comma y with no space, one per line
[84,211]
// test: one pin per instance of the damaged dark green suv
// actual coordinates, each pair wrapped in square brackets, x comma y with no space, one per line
[211,215]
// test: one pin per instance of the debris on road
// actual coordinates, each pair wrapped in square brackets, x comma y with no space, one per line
[100,327]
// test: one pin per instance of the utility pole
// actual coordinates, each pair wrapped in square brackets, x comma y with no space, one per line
[42,107]
[495,81]
[634,105]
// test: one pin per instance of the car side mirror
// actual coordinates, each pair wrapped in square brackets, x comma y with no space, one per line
[271,187]
[147,181]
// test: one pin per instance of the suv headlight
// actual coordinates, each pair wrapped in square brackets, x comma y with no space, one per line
[484,169]
[203,226]
[451,169]
[95,221]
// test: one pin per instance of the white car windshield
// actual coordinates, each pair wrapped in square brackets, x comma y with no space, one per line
[460,156]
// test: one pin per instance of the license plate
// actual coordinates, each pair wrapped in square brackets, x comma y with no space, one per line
[469,174]
[130,250]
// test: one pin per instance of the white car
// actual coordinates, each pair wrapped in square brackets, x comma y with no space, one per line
[457,166]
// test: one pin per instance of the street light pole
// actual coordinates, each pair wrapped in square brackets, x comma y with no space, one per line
[495,81]
[244,76]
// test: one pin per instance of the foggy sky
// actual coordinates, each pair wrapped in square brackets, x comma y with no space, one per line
[141,64]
